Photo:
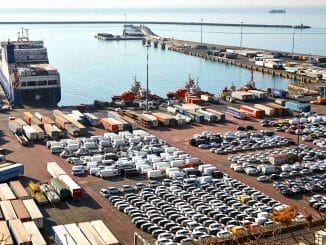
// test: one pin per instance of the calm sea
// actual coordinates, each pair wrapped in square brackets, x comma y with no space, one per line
[92,69]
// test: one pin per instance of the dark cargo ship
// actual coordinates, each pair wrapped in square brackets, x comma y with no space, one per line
[26,76]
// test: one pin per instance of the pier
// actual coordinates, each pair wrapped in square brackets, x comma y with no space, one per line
[151,23]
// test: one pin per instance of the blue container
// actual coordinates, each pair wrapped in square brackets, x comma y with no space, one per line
[295,106]
[11,171]
[278,93]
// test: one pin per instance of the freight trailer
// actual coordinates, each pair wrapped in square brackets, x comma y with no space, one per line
[18,189]
[236,112]
[91,233]
[220,116]
[39,131]
[52,131]
[30,132]
[8,211]
[104,232]
[20,210]
[60,188]
[11,171]
[253,112]
[110,124]
[5,237]
[208,116]
[19,233]
[50,193]
[72,186]
[92,119]
[54,170]
[61,236]
[278,109]
[243,96]
[278,93]
[268,110]
[35,233]
[147,120]
[6,193]
[34,212]
[82,129]
[76,234]
[295,106]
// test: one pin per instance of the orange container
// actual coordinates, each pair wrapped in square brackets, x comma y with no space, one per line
[253,112]
[61,121]
[20,210]
[47,120]
[27,116]
[109,125]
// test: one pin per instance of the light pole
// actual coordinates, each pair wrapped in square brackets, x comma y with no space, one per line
[293,42]
[241,35]
[147,46]
[124,29]
[201,31]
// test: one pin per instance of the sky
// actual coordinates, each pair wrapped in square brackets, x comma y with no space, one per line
[158,3]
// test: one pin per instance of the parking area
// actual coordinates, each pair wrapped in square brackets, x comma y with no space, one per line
[93,205]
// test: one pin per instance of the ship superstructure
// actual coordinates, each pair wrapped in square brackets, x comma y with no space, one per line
[26,76]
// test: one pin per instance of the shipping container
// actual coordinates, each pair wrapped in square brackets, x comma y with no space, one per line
[36,121]
[191,107]
[19,232]
[253,112]
[60,188]
[18,189]
[236,113]
[92,119]
[268,110]
[259,94]
[147,120]
[79,115]
[208,116]
[5,237]
[15,126]
[91,233]
[11,171]
[278,109]
[39,116]
[280,101]
[57,113]
[27,116]
[55,170]
[20,210]
[76,234]
[34,212]
[34,232]
[60,121]
[82,129]
[74,188]
[7,210]
[165,119]
[72,129]
[61,236]
[278,159]
[295,106]
[104,232]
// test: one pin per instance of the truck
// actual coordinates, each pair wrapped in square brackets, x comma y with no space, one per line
[60,188]
[30,132]
[34,212]
[268,169]
[236,113]
[39,131]
[253,112]
[50,193]
[295,106]
[72,186]
[36,193]
[11,171]
[54,170]
[92,119]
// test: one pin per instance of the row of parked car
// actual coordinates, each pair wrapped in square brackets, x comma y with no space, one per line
[233,142]
[126,154]
[318,202]
[187,209]
[313,160]
[302,185]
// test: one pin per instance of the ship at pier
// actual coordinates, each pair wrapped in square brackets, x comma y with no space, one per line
[26,76]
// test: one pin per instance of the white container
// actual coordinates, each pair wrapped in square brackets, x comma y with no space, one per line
[34,232]
[6,192]
[72,186]
[7,210]
[203,166]
[54,170]
[91,233]
[104,232]
[34,212]
[62,236]
[19,232]
[30,132]
[5,233]
[76,234]
[209,170]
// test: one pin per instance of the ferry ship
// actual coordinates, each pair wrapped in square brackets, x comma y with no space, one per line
[26,76]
